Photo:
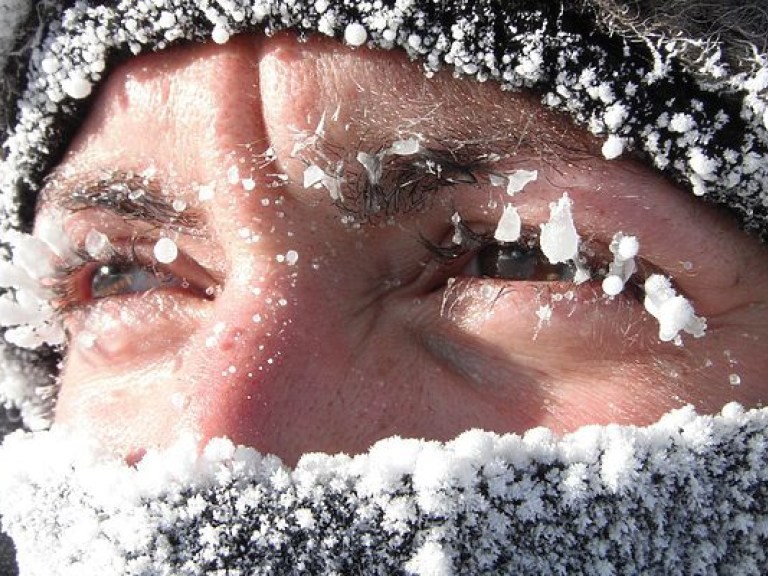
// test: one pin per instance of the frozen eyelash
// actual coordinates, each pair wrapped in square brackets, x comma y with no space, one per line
[64,285]
[471,240]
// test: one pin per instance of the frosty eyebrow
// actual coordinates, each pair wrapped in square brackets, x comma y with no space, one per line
[387,184]
[128,195]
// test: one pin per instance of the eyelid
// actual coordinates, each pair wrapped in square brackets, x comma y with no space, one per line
[69,291]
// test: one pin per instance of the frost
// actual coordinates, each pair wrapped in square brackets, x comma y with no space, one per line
[372,165]
[682,123]
[613,147]
[165,251]
[405,147]
[458,236]
[205,192]
[313,176]
[97,245]
[355,34]
[220,34]
[674,313]
[612,285]
[702,164]
[519,179]
[532,504]
[508,228]
[559,239]
[430,560]
[624,249]
[77,87]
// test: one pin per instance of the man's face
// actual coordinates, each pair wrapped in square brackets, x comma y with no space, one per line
[316,291]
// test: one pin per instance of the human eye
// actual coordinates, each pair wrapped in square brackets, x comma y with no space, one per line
[139,266]
[127,275]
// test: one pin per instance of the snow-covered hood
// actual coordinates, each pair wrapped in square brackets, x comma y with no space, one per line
[684,496]
[687,495]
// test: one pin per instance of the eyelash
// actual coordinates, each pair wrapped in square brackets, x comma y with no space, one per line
[473,242]
[67,284]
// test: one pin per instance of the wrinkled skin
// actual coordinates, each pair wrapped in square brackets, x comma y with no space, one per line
[364,336]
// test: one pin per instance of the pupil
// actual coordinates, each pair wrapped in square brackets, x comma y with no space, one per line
[110,280]
[117,279]
[515,261]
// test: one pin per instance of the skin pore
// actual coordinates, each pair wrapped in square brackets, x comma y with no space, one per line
[293,323]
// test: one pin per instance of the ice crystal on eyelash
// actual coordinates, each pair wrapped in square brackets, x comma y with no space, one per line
[508,228]
[674,313]
[98,246]
[519,179]
[624,249]
[558,239]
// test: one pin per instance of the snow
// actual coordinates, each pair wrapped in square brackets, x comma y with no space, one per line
[508,228]
[559,239]
[674,313]
[77,87]
[624,249]
[519,179]
[220,34]
[613,147]
[97,245]
[612,285]
[165,251]
[536,503]
[355,34]
[458,237]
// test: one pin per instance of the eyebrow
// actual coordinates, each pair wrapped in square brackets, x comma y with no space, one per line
[133,197]
[409,182]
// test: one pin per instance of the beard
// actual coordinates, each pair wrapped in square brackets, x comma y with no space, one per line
[688,494]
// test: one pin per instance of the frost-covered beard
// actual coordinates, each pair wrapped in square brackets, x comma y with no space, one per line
[686,495]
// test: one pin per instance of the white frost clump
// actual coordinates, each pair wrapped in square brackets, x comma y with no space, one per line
[519,179]
[355,34]
[25,309]
[313,176]
[77,87]
[220,34]
[406,147]
[430,560]
[624,249]
[372,165]
[675,313]
[613,147]
[458,237]
[166,251]
[97,245]
[559,239]
[508,228]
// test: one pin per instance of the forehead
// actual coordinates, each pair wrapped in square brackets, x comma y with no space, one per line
[199,103]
